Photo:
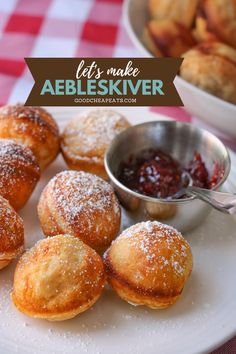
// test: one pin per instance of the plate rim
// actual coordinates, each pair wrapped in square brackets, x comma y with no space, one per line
[155,116]
[150,116]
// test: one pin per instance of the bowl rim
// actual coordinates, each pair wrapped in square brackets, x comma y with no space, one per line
[138,43]
[115,180]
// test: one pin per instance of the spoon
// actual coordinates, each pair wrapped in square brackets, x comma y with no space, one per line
[224,202]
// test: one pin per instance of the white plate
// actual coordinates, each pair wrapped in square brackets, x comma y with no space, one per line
[209,108]
[202,319]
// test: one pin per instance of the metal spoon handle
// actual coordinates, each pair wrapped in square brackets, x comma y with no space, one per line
[225,202]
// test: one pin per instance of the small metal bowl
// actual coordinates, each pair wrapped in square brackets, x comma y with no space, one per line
[180,140]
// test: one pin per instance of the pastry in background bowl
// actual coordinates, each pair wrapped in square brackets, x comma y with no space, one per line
[33,127]
[167,38]
[182,11]
[11,233]
[57,279]
[212,67]
[216,20]
[86,138]
[82,205]
[149,264]
[19,172]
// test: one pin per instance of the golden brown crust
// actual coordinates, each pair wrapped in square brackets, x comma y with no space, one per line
[182,11]
[58,278]
[86,138]
[148,264]
[139,297]
[167,38]
[33,127]
[19,172]
[212,67]
[11,233]
[216,20]
[80,204]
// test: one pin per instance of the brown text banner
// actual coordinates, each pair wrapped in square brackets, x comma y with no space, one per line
[104,81]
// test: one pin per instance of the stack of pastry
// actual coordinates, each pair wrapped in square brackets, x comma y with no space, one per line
[65,273]
[204,33]
[29,142]
[168,33]
[61,276]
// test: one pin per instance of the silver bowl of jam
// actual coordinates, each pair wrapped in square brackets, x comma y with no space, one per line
[148,163]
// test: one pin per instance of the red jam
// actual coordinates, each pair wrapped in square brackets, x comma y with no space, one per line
[156,174]
[197,170]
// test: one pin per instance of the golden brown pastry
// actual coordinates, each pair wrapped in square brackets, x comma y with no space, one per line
[80,204]
[87,137]
[148,264]
[212,67]
[216,20]
[33,127]
[57,279]
[167,38]
[182,11]
[160,211]
[19,172]
[11,233]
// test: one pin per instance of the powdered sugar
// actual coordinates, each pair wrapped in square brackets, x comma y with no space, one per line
[17,163]
[11,233]
[64,275]
[11,151]
[159,244]
[154,228]
[78,192]
[84,205]
[93,131]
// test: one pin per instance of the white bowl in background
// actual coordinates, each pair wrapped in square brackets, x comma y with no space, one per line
[210,109]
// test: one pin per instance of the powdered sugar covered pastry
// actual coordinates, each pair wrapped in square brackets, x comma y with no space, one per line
[33,127]
[19,172]
[148,264]
[11,233]
[87,137]
[58,278]
[82,205]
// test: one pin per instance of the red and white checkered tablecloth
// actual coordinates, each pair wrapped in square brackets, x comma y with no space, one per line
[64,28]
[55,28]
